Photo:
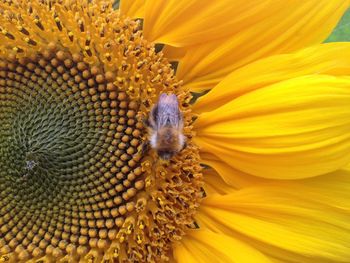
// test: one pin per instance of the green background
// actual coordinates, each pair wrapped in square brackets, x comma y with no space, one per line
[342,31]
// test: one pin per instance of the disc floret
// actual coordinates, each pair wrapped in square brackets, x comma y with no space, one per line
[76,83]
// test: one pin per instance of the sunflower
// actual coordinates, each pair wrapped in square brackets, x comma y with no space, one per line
[263,176]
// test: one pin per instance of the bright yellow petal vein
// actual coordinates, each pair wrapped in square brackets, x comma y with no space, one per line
[284,26]
[202,246]
[291,221]
[221,176]
[330,59]
[293,129]
[185,23]
[132,8]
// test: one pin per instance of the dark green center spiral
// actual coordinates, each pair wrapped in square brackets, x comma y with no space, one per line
[57,139]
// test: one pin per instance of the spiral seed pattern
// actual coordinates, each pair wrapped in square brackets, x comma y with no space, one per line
[76,184]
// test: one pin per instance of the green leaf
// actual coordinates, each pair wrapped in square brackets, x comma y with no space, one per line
[342,31]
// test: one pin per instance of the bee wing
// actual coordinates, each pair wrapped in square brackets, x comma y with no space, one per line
[167,111]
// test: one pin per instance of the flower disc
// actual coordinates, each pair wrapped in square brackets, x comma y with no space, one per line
[76,182]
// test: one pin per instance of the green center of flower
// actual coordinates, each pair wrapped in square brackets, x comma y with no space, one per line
[75,180]
[69,152]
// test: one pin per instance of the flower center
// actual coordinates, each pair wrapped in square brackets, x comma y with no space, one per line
[76,183]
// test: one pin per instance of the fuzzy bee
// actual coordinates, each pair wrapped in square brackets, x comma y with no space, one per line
[165,127]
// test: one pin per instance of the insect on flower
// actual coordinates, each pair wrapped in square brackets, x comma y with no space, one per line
[165,127]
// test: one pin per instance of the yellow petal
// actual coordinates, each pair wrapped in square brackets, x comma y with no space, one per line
[293,129]
[330,189]
[173,54]
[202,246]
[133,8]
[282,27]
[332,59]
[221,177]
[293,221]
[214,184]
[185,23]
